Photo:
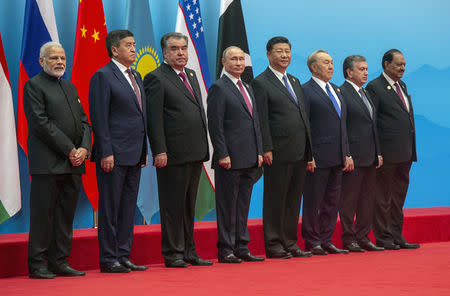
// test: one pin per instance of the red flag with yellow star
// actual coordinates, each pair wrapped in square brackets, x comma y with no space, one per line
[89,55]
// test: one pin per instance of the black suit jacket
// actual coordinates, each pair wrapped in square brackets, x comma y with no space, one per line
[56,125]
[176,120]
[284,123]
[117,119]
[328,131]
[361,128]
[234,131]
[396,129]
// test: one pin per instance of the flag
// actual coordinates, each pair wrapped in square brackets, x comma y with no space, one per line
[90,54]
[232,32]
[10,202]
[39,27]
[139,21]
[190,23]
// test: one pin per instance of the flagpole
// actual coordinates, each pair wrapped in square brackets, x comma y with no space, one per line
[95,220]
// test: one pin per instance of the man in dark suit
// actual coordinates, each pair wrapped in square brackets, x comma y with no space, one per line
[327,115]
[358,186]
[396,130]
[286,138]
[236,138]
[58,142]
[117,110]
[178,138]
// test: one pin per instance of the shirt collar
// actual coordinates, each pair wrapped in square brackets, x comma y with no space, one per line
[357,88]
[176,70]
[277,73]
[122,68]
[232,78]
[389,79]
[320,82]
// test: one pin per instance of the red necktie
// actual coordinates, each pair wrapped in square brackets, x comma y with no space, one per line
[400,94]
[183,76]
[135,86]
[246,99]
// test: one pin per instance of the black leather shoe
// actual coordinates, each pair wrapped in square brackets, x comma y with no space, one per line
[409,246]
[230,258]
[249,257]
[369,246]
[278,255]
[331,249]
[300,253]
[42,273]
[128,264]
[317,250]
[353,247]
[66,270]
[115,267]
[178,263]
[390,246]
[199,262]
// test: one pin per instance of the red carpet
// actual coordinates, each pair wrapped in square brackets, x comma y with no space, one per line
[425,271]
[420,226]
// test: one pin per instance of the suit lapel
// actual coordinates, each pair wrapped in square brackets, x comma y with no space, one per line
[354,95]
[238,94]
[120,76]
[276,82]
[176,80]
[392,92]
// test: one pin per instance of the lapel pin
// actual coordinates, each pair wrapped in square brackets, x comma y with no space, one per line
[192,75]
[389,87]
[79,101]
[338,90]
[293,79]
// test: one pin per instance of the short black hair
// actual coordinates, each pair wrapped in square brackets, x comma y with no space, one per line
[113,39]
[276,40]
[389,56]
[174,35]
[349,62]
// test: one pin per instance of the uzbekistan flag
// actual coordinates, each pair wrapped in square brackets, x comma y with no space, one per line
[39,28]
[190,23]
[10,202]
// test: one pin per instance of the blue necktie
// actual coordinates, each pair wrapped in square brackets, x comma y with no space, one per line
[289,88]
[333,100]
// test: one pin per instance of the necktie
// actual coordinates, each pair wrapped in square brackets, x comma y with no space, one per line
[366,101]
[400,94]
[286,83]
[246,99]
[135,87]
[183,76]
[333,100]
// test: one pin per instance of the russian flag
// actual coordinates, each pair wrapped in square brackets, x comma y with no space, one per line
[39,28]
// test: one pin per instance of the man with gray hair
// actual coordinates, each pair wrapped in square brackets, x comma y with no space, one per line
[58,143]
[358,186]
[327,114]
[178,138]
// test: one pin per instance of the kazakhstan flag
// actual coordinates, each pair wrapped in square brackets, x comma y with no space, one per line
[139,21]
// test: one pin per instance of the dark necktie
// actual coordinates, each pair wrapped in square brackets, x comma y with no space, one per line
[366,101]
[246,99]
[333,100]
[183,76]
[286,83]
[135,87]
[400,94]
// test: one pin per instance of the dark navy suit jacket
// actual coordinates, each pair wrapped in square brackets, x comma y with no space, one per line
[328,131]
[234,131]
[118,123]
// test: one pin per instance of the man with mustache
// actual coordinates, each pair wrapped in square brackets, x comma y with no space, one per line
[396,130]
[117,110]
[58,142]
[178,138]
[236,138]
[327,113]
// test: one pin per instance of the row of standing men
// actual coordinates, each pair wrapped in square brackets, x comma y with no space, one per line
[328,143]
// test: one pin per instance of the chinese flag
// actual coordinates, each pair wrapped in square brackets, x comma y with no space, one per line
[89,55]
